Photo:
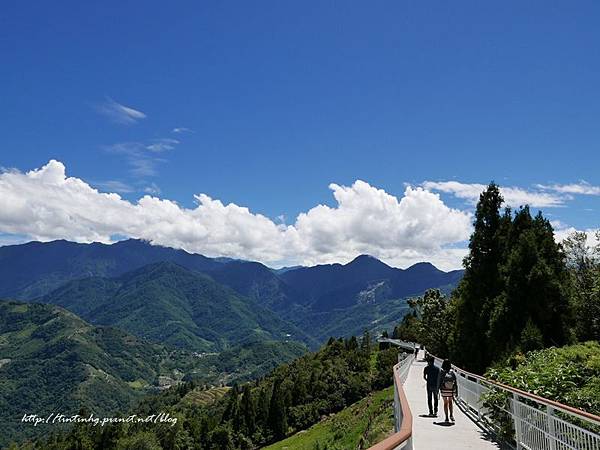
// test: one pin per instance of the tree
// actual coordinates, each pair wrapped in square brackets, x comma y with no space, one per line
[434,326]
[584,270]
[514,293]
[277,413]
[365,343]
[384,345]
[248,410]
[409,328]
[481,283]
[384,375]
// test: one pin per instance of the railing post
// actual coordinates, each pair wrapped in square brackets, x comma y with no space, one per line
[478,402]
[396,408]
[517,420]
[551,430]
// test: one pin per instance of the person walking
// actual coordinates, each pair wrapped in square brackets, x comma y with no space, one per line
[448,386]
[416,351]
[431,374]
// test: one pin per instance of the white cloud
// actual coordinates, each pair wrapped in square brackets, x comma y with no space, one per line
[180,130]
[152,189]
[120,113]
[562,231]
[162,145]
[142,157]
[116,186]
[513,196]
[581,188]
[45,204]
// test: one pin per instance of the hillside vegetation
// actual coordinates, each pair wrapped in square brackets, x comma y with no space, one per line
[359,426]
[51,360]
[293,397]
[170,304]
[569,375]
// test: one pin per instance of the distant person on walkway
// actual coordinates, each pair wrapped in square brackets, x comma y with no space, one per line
[431,374]
[416,352]
[448,387]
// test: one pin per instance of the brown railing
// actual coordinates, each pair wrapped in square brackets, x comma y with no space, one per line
[402,438]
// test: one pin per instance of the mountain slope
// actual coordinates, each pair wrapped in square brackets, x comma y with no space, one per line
[36,268]
[363,280]
[167,303]
[54,361]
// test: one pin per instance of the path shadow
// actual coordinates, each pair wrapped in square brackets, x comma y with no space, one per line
[484,433]
[428,416]
[444,424]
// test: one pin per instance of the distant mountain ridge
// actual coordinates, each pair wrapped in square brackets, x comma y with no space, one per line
[332,286]
[359,292]
[34,269]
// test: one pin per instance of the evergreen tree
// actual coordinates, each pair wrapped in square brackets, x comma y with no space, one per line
[277,413]
[583,264]
[248,410]
[481,282]
[384,345]
[365,343]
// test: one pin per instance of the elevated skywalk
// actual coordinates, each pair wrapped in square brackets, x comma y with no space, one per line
[538,423]
[433,433]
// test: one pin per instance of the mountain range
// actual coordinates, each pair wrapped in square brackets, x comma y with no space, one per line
[97,282]
[99,326]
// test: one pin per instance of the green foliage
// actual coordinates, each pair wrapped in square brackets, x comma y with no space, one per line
[291,398]
[358,426]
[583,263]
[514,293]
[172,305]
[51,360]
[569,375]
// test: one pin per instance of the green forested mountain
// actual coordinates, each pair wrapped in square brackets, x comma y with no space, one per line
[167,303]
[316,299]
[52,361]
[291,398]
[36,268]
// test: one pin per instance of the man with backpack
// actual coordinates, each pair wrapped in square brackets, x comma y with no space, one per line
[448,386]
[431,374]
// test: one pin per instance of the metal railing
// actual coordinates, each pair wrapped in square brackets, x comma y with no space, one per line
[538,423]
[402,438]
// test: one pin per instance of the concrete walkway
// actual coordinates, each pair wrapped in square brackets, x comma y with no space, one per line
[433,433]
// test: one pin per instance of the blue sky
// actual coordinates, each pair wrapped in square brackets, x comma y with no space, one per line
[273,101]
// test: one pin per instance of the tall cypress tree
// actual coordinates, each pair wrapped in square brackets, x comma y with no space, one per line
[277,413]
[481,283]
[248,410]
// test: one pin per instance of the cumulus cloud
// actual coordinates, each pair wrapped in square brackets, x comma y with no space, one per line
[119,113]
[562,231]
[513,196]
[46,204]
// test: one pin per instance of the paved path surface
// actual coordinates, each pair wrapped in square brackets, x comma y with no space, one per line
[432,433]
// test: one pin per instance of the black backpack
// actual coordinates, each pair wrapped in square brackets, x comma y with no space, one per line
[448,381]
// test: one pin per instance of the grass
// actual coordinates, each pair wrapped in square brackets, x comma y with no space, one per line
[358,426]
